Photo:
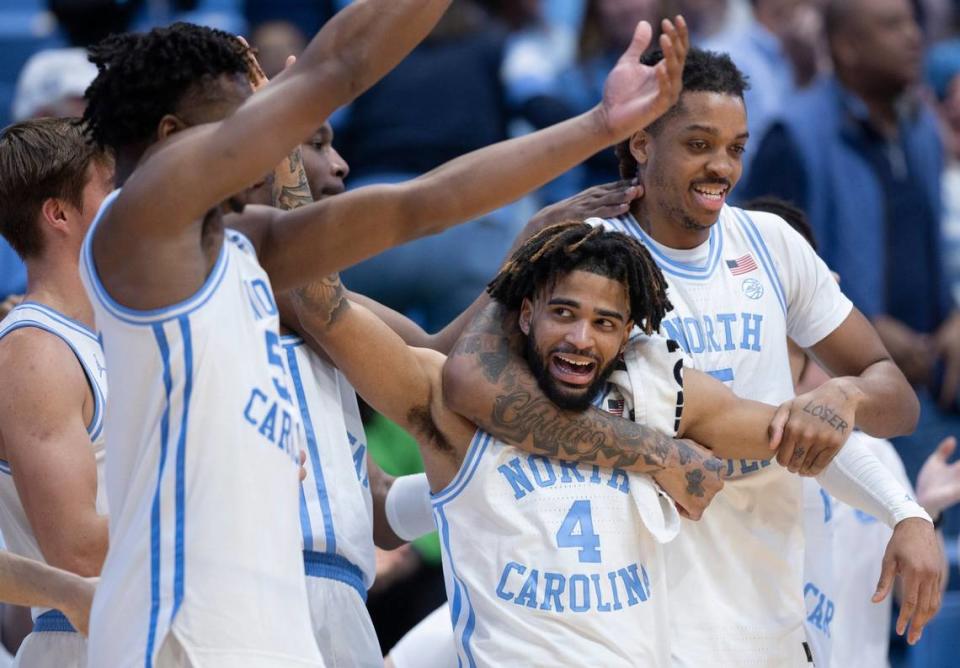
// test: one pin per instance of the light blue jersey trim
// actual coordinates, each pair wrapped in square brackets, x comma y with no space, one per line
[155,509]
[315,464]
[461,595]
[753,235]
[65,320]
[53,621]
[178,574]
[471,461]
[4,466]
[674,267]
[153,316]
[96,420]
[334,567]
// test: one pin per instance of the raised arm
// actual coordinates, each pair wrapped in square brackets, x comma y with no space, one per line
[207,164]
[337,232]
[486,380]
[46,443]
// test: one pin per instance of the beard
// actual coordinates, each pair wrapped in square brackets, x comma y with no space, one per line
[560,394]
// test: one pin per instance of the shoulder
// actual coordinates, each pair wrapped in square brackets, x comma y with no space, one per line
[250,229]
[769,229]
[39,364]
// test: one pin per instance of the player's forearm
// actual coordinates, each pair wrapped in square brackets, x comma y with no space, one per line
[34,584]
[488,383]
[384,536]
[888,406]
[290,188]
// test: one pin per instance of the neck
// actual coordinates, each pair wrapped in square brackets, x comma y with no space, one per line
[667,228]
[54,280]
[881,106]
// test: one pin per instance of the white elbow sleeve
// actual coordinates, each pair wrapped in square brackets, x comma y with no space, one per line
[408,507]
[858,478]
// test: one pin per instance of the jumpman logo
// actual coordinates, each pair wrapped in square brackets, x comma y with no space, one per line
[100,367]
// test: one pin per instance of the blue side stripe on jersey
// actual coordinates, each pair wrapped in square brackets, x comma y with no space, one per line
[760,247]
[181,465]
[155,509]
[467,633]
[54,314]
[96,421]
[675,267]
[467,469]
[4,466]
[315,464]
[305,527]
[153,316]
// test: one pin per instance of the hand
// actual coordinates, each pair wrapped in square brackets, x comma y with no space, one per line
[694,480]
[77,608]
[946,345]
[606,201]
[938,483]
[256,75]
[913,553]
[913,352]
[634,94]
[7,304]
[808,431]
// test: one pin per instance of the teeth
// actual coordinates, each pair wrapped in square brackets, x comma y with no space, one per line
[574,362]
[711,192]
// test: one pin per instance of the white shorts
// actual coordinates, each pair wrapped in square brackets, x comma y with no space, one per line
[52,649]
[342,625]
[174,654]
[429,644]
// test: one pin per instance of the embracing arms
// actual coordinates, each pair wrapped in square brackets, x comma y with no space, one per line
[33,584]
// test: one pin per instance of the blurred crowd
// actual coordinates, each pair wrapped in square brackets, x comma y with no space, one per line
[854,116]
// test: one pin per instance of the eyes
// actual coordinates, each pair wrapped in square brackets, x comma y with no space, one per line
[702,146]
[564,314]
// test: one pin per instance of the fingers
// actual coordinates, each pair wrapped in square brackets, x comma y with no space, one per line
[927,606]
[775,430]
[291,59]
[639,43]
[908,606]
[885,583]
[821,462]
[946,448]
[674,43]
[816,452]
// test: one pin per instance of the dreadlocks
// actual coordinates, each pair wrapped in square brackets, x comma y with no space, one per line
[559,249]
[143,77]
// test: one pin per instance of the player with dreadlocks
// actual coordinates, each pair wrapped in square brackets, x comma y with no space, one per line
[205,563]
[549,558]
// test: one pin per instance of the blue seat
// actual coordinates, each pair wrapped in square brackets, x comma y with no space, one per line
[940,645]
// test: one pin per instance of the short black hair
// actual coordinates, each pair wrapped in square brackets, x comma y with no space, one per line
[703,72]
[560,249]
[142,77]
[794,215]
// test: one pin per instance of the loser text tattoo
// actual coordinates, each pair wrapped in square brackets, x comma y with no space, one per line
[828,415]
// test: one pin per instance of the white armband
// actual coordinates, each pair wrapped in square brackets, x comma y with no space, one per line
[857,477]
[408,507]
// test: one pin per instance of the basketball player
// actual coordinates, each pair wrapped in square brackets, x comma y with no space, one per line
[33,583]
[168,281]
[579,290]
[52,502]
[741,284]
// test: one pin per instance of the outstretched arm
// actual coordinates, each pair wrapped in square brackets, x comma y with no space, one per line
[327,236]
[33,584]
[486,380]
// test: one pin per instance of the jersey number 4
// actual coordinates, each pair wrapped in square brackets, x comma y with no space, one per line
[577,531]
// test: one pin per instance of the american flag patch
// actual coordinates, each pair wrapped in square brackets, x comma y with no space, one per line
[615,407]
[742,265]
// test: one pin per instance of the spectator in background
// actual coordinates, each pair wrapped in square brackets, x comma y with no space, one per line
[445,99]
[943,68]
[274,42]
[779,51]
[51,83]
[862,155]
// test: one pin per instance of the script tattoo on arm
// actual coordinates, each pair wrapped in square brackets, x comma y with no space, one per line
[291,190]
[523,416]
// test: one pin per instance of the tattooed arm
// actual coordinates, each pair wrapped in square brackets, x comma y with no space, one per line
[290,187]
[487,381]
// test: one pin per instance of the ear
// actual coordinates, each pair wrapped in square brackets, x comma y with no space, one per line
[169,125]
[526,316]
[640,147]
[628,328]
[54,214]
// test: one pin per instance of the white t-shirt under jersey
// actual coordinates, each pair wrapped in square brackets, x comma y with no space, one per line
[736,576]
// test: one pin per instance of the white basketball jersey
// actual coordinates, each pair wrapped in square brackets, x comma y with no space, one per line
[336,510]
[84,343]
[737,297]
[202,476]
[861,628]
[555,563]
[819,583]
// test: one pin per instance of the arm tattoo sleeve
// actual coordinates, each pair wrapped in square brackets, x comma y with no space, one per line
[325,300]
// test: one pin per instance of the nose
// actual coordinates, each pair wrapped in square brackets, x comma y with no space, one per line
[580,335]
[720,165]
[338,165]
